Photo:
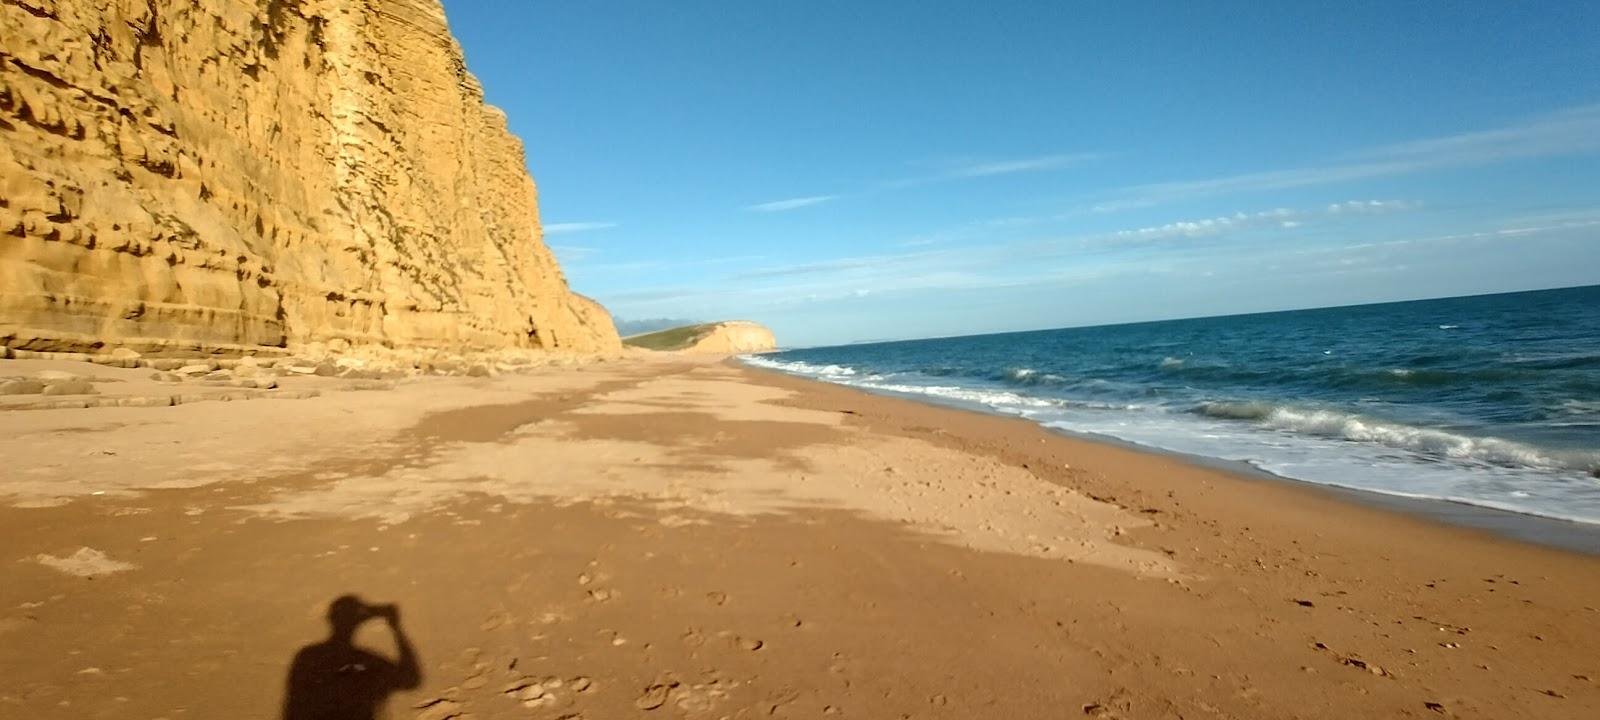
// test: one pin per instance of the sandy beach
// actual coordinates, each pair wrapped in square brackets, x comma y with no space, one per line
[685,537]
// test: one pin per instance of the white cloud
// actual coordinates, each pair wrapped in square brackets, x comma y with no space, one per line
[1039,163]
[791,203]
[1208,226]
[1279,217]
[1008,167]
[1574,131]
[1564,132]
[1058,261]
[1370,207]
[962,171]
[573,227]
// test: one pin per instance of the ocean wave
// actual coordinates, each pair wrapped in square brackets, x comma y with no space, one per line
[1213,375]
[1236,410]
[995,399]
[1030,376]
[1575,414]
[799,367]
[1416,377]
[990,398]
[1555,361]
[1413,373]
[1421,440]
[1579,407]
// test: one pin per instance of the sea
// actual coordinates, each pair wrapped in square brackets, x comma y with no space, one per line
[1490,400]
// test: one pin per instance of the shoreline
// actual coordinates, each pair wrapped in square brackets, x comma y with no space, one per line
[1541,530]
[685,537]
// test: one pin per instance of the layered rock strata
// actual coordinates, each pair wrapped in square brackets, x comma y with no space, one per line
[735,336]
[238,176]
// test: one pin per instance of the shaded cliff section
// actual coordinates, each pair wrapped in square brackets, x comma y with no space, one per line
[234,176]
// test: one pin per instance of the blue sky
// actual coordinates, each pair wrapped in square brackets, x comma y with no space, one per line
[846,171]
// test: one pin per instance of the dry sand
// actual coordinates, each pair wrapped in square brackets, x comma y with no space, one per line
[685,538]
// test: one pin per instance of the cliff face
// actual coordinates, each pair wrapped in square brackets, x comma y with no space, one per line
[228,175]
[735,336]
[731,336]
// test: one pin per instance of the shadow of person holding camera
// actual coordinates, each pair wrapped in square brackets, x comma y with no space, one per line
[335,680]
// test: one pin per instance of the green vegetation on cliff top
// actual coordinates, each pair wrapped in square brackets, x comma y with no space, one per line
[676,338]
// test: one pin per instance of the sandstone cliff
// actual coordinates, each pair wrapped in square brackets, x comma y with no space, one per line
[238,175]
[733,336]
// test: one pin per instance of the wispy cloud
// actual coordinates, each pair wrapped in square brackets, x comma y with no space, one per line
[572,253]
[1208,226]
[1313,258]
[790,203]
[1277,217]
[576,227]
[829,266]
[627,273]
[1511,232]
[1574,131]
[961,171]
[1370,207]
[993,168]
[1009,264]
[1008,167]
[1570,131]
[1158,193]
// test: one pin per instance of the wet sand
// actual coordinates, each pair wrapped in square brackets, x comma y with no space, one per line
[685,538]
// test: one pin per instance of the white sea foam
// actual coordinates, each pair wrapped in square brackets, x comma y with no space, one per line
[991,398]
[1427,441]
[1422,440]
[1331,459]
[1305,443]
[1171,363]
[798,367]
[1030,376]
[1580,407]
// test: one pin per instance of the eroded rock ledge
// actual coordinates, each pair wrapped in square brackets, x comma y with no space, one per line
[239,175]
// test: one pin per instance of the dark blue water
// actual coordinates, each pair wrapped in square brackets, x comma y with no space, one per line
[1490,400]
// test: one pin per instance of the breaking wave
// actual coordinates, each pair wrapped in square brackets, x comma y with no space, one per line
[1491,401]
[1030,376]
[1425,441]
[799,367]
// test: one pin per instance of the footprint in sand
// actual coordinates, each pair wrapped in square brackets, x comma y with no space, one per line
[533,692]
[496,620]
[655,695]
[738,641]
[438,709]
